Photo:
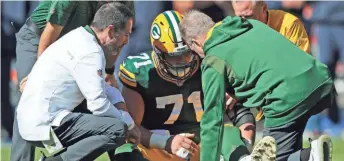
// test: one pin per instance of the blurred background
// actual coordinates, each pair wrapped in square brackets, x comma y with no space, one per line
[320,18]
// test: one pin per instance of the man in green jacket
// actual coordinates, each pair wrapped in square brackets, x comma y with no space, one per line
[259,68]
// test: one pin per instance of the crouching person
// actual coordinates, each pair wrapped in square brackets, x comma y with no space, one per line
[71,70]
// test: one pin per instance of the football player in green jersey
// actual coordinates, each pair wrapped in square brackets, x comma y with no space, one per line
[162,89]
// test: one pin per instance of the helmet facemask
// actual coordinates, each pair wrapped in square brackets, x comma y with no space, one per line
[178,65]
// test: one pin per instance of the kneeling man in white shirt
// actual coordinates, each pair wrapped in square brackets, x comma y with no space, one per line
[71,70]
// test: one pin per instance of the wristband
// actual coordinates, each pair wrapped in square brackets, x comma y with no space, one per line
[110,70]
[158,141]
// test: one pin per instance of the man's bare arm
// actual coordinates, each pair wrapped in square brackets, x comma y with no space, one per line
[49,35]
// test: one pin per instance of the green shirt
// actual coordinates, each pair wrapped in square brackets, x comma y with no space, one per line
[69,14]
[262,69]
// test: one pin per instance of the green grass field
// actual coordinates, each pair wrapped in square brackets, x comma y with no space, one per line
[5,155]
[338,152]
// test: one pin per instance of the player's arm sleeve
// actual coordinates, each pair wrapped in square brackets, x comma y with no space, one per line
[127,75]
[92,86]
[298,35]
[60,11]
[213,85]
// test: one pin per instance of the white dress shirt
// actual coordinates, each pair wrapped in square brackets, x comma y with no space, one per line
[69,71]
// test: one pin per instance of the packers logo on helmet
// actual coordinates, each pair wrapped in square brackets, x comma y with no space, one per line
[173,58]
[156,33]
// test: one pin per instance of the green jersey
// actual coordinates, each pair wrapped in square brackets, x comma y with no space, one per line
[69,14]
[263,69]
[167,106]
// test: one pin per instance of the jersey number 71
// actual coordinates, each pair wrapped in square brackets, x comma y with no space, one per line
[177,100]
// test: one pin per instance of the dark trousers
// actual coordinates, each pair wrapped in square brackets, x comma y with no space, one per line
[289,136]
[86,136]
[26,50]
[6,107]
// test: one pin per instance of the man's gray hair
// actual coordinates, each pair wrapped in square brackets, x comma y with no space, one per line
[114,13]
[194,24]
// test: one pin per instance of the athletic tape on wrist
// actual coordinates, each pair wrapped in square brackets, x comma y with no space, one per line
[158,141]
[183,153]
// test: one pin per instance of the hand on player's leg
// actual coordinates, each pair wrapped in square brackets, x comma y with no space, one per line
[135,135]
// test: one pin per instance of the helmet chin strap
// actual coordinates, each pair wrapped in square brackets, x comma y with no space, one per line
[180,82]
[179,72]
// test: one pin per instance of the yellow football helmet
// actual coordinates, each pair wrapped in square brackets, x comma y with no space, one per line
[172,56]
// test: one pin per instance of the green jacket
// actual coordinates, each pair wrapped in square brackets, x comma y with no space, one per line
[262,69]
